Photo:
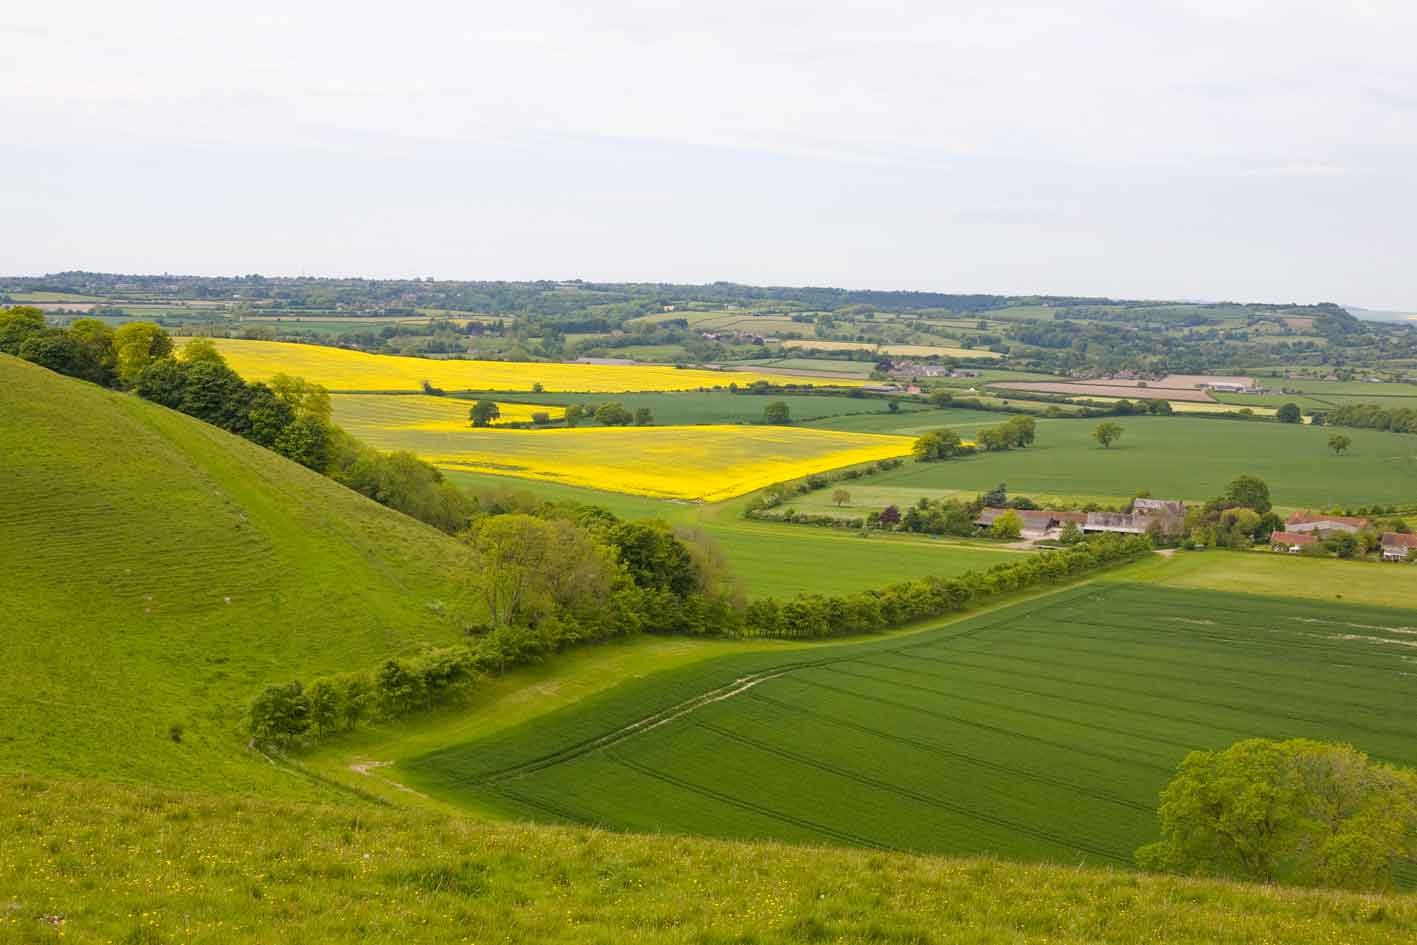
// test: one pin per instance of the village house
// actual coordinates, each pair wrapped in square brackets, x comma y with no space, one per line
[1292,542]
[1310,522]
[1399,547]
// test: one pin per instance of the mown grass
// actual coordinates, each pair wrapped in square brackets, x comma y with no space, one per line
[159,572]
[1186,458]
[93,863]
[1042,731]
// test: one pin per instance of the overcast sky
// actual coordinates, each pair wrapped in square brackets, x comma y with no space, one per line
[1234,149]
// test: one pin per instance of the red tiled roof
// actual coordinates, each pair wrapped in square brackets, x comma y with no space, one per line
[1400,540]
[1292,538]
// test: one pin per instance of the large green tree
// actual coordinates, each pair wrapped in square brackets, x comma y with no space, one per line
[136,345]
[1295,811]
[1250,492]
[777,412]
[1107,433]
[483,413]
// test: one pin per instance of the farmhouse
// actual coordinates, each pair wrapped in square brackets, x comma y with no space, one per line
[1324,524]
[1399,547]
[1292,542]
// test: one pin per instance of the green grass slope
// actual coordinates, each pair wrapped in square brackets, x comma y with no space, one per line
[86,863]
[158,571]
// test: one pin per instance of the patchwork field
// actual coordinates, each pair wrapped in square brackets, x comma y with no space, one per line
[339,369]
[1186,458]
[420,412]
[1108,390]
[704,463]
[1042,731]
[903,350]
[719,406]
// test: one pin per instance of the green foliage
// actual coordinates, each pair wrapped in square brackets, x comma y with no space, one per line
[1297,811]
[1289,413]
[1338,443]
[936,445]
[1070,534]
[55,349]
[643,417]
[281,714]
[654,557]
[1007,526]
[484,412]
[777,412]
[1250,492]
[1107,433]
[17,324]
[136,345]
[613,414]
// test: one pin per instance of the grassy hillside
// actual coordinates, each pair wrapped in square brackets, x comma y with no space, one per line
[1040,731]
[158,572]
[86,863]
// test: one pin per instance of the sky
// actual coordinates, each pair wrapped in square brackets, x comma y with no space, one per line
[1198,149]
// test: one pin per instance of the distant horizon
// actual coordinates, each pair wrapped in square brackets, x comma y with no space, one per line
[1192,300]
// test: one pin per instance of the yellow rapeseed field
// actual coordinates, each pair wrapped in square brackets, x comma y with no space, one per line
[707,463]
[420,412]
[339,369]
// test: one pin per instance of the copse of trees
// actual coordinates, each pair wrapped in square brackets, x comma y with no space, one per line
[1372,417]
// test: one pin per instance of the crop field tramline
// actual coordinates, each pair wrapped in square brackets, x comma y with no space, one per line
[1042,731]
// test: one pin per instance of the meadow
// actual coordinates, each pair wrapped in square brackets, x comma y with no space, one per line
[1041,731]
[343,370]
[701,463]
[1187,458]
[104,863]
[682,408]
[899,350]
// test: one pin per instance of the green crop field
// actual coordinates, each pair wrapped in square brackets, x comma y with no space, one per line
[912,422]
[1040,731]
[774,560]
[1186,458]
[159,572]
[701,407]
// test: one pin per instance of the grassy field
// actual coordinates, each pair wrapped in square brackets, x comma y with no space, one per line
[1042,731]
[694,407]
[159,572]
[340,369]
[900,350]
[95,863]
[912,422]
[773,560]
[1186,458]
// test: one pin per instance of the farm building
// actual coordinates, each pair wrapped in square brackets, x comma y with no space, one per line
[1037,523]
[1167,514]
[1399,547]
[1292,542]
[1324,524]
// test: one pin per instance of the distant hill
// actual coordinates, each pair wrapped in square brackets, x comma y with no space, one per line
[1380,315]
[158,572]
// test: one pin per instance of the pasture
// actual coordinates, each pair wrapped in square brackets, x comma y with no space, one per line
[702,463]
[1041,731]
[719,406]
[900,350]
[343,370]
[1187,458]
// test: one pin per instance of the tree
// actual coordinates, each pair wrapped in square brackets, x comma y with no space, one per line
[136,345]
[217,394]
[281,713]
[996,497]
[325,709]
[941,397]
[200,349]
[483,413]
[893,405]
[654,557]
[936,445]
[1071,534]
[643,417]
[890,516]
[1288,413]
[95,340]
[841,497]
[1107,433]
[1009,526]
[17,324]
[162,382]
[304,398]
[536,387]
[574,414]
[1338,443]
[614,414]
[1020,431]
[530,567]
[1250,492]
[1297,811]
[777,412]
[54,349]
[307,440]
